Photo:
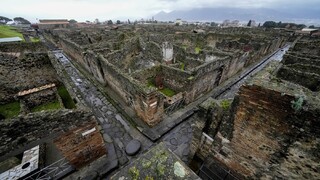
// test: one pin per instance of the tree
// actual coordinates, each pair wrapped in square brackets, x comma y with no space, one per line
[269,24]
[110,22]
[312,26]
[4,20]
[249,23]
[72,21]
[213,24]
[96,21]
[21,20]
[118,22]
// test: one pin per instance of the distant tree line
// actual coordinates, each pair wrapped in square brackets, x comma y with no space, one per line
[4,20]
[17,20]
[272,24]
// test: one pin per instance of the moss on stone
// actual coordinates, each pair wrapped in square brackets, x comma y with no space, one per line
[197,50]
[134,173]
[146,163]
[149,178]
[66,98]
[161,169]
[182,66]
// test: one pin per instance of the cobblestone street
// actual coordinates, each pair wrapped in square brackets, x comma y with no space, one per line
[115,129]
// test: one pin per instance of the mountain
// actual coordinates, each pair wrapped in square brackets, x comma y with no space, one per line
[241,14]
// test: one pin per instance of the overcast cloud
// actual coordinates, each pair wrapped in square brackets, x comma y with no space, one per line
[82,10]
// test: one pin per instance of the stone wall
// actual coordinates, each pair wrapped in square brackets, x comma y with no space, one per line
[23,47]
[28,71]
[17,133]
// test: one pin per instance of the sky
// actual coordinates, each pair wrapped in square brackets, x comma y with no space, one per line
[82,10]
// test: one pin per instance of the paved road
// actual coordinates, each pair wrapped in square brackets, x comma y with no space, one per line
[115,128]
[231,92]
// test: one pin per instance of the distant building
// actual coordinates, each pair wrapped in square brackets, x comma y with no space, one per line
[179,21]
[228,23]
[307,31]
[53,23]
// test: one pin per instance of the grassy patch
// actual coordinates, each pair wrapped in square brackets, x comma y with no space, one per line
[197,50]
[66,98]
[167,92]
[182,66]
[33,39]
[10,110]
[150,82]
[225,104]
[47,106]
[7,31]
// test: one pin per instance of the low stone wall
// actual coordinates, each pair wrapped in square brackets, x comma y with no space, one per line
[23,47]
[18,132]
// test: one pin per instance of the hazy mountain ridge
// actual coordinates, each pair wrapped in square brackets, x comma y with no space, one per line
[241,14]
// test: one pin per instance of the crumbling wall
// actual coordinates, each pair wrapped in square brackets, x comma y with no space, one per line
[23,47]
[269,135]
[18,132]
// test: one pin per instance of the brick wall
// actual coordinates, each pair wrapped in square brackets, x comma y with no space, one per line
[82,144]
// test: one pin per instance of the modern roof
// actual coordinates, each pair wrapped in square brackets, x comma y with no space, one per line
[10,39]
[53,21]
[308,29]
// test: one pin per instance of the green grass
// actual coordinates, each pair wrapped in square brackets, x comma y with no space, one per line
[225,104]
[150,83]
[182,66]
[66,98]
[33,39]
[10,110]
[167,92]
[47,106]
[7,31]
[197,50]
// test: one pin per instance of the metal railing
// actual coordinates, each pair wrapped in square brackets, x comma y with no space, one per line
[54,171]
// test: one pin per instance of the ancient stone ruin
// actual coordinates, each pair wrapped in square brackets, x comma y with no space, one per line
[156,71]
[159,101]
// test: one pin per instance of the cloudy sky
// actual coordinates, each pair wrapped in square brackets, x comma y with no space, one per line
[82,10]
